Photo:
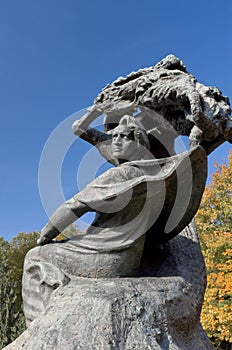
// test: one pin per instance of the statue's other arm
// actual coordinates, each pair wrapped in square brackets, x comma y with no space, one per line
[64,216]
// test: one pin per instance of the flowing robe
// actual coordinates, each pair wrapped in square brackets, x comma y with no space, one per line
[129,200]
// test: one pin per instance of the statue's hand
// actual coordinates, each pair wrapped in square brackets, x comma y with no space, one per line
[80,126]
[76,128]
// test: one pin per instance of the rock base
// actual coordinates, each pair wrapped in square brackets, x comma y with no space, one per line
[160,310]
[144,313]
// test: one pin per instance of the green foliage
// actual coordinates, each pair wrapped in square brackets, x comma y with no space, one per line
[18,248]
[12,321]
[11,317]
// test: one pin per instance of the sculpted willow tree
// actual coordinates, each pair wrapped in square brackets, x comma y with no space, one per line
[214,221]
[73,290]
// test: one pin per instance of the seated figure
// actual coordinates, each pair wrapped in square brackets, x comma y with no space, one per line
[133,203]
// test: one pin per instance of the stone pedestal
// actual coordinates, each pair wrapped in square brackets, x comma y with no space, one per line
[158,310]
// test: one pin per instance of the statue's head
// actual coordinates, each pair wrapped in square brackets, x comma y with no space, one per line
[129,140]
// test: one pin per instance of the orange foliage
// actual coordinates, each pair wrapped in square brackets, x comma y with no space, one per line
[214,221]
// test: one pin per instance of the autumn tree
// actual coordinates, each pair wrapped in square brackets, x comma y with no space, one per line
[18,248]
[11,317]
[12,321]
[214,220]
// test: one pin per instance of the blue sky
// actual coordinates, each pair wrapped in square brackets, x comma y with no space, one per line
[55,57]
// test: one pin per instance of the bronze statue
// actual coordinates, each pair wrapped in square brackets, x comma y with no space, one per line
[144,208]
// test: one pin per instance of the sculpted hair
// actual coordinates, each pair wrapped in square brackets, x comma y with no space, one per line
[137,129]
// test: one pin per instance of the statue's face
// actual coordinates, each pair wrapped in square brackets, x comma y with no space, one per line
[123,145]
